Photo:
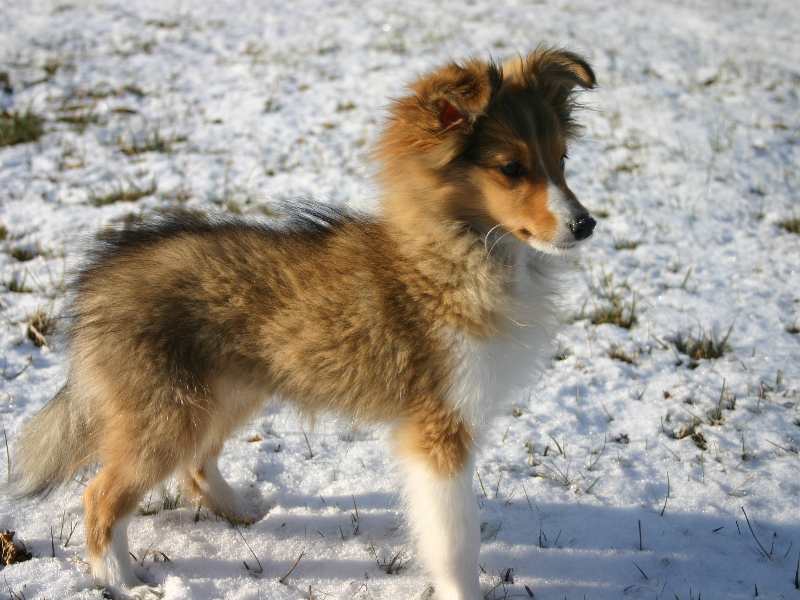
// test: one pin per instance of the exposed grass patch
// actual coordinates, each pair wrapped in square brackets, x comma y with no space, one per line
[11,551]
[52,66]
[20,127]
[169,501]
[123,193]
[391,564]
[162,23]
[600,213]
[614,309]
[40,324]
[690,430]
[704,345]
[562,354]
[5,83]
[617,312]
[727,401]
[179,195]
[792,225]
[22,254]
[78,116]
[16,283]
[623,244]
[3,232]
[152,141]
[617,353]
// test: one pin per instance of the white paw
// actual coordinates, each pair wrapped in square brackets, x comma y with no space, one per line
[145,592]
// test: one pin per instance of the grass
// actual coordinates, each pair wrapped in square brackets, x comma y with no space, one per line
[704,345]
[617,312]
[727,401]
[600,213]
[3,232]
[79,117]
[17,283]
[152,141]
[169,501]
[623,244]
[122,193]
[690,430]
[617,353]
[20,127]
[40,324]
[12,552]
[22,254]
[792,225]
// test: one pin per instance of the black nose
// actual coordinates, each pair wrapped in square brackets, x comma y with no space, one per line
[582,227]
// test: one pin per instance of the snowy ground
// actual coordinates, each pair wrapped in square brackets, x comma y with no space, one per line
[691,158]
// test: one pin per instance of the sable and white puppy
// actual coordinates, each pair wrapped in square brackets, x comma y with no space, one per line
[421,317]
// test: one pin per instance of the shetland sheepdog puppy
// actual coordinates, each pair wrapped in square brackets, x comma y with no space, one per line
[421,317]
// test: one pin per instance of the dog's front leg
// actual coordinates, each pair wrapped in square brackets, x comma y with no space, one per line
[436,454]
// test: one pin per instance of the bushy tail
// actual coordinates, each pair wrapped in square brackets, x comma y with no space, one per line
[51,447]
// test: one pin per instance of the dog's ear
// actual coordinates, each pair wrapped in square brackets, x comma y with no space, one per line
[437,118]
[553,74]
[560,68]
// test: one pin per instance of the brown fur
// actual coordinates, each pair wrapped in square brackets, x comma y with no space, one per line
[182,327]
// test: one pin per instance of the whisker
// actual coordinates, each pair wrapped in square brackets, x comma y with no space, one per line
[497,241]
[486,238]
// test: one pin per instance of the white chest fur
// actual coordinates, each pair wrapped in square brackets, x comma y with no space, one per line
[488,370]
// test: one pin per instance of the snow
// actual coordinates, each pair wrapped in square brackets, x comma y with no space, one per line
[691,150]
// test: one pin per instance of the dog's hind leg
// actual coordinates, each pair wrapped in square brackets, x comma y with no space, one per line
[205,483]
[436,454]
[109,499]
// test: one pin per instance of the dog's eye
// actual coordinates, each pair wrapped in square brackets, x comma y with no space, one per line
[564,162]
[513,169]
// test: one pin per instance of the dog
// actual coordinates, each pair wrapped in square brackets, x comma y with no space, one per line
[422,317]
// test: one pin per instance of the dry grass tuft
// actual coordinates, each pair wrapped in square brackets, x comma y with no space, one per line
[623,244]
[121,193]
[792,225]
[22,254]
[615,309]
[20,128]
[17,283]
[12,552]
[617,353]
[704,345]
[40,324]
[152,141]
[690,430]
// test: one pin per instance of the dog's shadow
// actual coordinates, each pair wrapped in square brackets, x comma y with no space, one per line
[553,550]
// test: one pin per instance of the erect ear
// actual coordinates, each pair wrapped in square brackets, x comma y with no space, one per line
[553,74]
[554,67]
[437,118]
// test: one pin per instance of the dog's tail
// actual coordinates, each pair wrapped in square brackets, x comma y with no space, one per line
[52,446]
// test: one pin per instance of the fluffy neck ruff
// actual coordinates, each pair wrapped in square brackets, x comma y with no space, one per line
[467,276]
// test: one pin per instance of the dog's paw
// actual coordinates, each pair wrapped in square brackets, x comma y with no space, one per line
[146,592]
[242,514]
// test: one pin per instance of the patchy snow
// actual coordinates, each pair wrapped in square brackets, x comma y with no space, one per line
[691,158]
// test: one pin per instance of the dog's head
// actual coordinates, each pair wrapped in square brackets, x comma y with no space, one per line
[490,142]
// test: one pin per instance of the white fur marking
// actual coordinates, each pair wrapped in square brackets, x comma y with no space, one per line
[488,370]
[114,567]
[443,515]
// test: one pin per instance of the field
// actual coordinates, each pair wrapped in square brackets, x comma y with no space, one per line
[658,457]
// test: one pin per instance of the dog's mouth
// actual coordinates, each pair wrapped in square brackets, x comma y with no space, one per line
[559,248]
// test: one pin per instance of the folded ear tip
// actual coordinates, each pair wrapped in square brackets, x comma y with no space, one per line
[585,74]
